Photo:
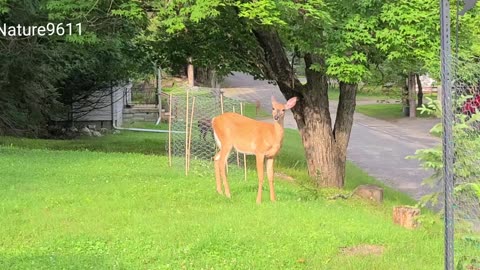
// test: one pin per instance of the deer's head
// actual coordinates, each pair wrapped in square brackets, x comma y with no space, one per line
[278,109]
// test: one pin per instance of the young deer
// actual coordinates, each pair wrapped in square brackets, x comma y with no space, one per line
[205,126]
[251,137]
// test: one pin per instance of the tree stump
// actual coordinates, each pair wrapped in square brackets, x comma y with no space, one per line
[406,216]
[369,192]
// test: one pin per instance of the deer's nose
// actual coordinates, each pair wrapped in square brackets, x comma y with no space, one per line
[276,117]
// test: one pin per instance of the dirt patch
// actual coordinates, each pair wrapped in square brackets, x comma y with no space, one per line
[284,177]
[362,250]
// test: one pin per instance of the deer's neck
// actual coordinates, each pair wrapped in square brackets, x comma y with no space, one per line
[278,127]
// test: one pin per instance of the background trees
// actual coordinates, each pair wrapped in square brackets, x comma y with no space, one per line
[337,40]
[41,76]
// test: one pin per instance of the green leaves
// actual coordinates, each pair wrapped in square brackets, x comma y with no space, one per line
[3,6]
[349,69]
[263,12]
[131,10]
[409,34]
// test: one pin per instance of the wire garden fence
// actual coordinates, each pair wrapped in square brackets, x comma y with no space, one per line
[466,166]
[191,134]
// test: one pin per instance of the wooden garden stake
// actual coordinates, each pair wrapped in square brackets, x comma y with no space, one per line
[190,134]
[244,155]
[170,131]
[221,102]
[238,157]
[186,136]
[221,108]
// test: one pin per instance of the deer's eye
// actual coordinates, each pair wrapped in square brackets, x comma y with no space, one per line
[283,110]
[273,109]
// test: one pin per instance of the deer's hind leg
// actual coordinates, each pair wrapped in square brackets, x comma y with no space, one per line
[221,159]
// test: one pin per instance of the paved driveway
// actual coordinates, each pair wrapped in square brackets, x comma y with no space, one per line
[378,147]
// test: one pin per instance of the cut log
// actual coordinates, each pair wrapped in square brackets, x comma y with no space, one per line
[369,192]
[406,216]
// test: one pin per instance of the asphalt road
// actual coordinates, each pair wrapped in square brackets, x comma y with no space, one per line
[378,147]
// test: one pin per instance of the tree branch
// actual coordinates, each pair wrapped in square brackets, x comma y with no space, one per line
[277,66]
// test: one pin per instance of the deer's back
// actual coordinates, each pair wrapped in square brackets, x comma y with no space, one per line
[245,134]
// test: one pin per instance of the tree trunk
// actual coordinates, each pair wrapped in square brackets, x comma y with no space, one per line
[405,100]
[411,95]
[325,147]
[190,73]
[420,91]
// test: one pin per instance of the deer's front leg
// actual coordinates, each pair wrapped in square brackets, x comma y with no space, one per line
[270,178]
[260,161]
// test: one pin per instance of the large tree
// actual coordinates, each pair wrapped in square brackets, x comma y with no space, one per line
[336,41]
[409,38]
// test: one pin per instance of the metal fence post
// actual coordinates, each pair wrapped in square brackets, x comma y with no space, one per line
[447,121]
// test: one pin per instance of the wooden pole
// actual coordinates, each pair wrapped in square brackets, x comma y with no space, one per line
[186,136]
[221,102]
[159,94]
[190,73]
[221,108]
[244,155]
[170,130]
[190,134]
[238,157]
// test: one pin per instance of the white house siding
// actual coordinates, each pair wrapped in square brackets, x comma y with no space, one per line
[102,111]
[428,84]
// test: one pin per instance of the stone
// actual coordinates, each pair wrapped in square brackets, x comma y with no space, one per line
[92,127]
[73,129]
[116,132]
[104,130]
[85,131]
[369,192]
[96,134]
[406,216]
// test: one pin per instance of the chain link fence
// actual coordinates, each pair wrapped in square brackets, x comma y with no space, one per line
[191,136]
[466,169]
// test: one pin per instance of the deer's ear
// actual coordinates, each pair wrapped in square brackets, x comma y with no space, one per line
[291,103]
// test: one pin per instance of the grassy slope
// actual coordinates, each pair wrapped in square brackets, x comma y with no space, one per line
[366,94]
[112,210]
[385,111]
[126,142]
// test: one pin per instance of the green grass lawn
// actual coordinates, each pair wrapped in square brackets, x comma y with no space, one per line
[366,94]
[385,111]
[104,208]
[375,93]
[250,111]
[125,142]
